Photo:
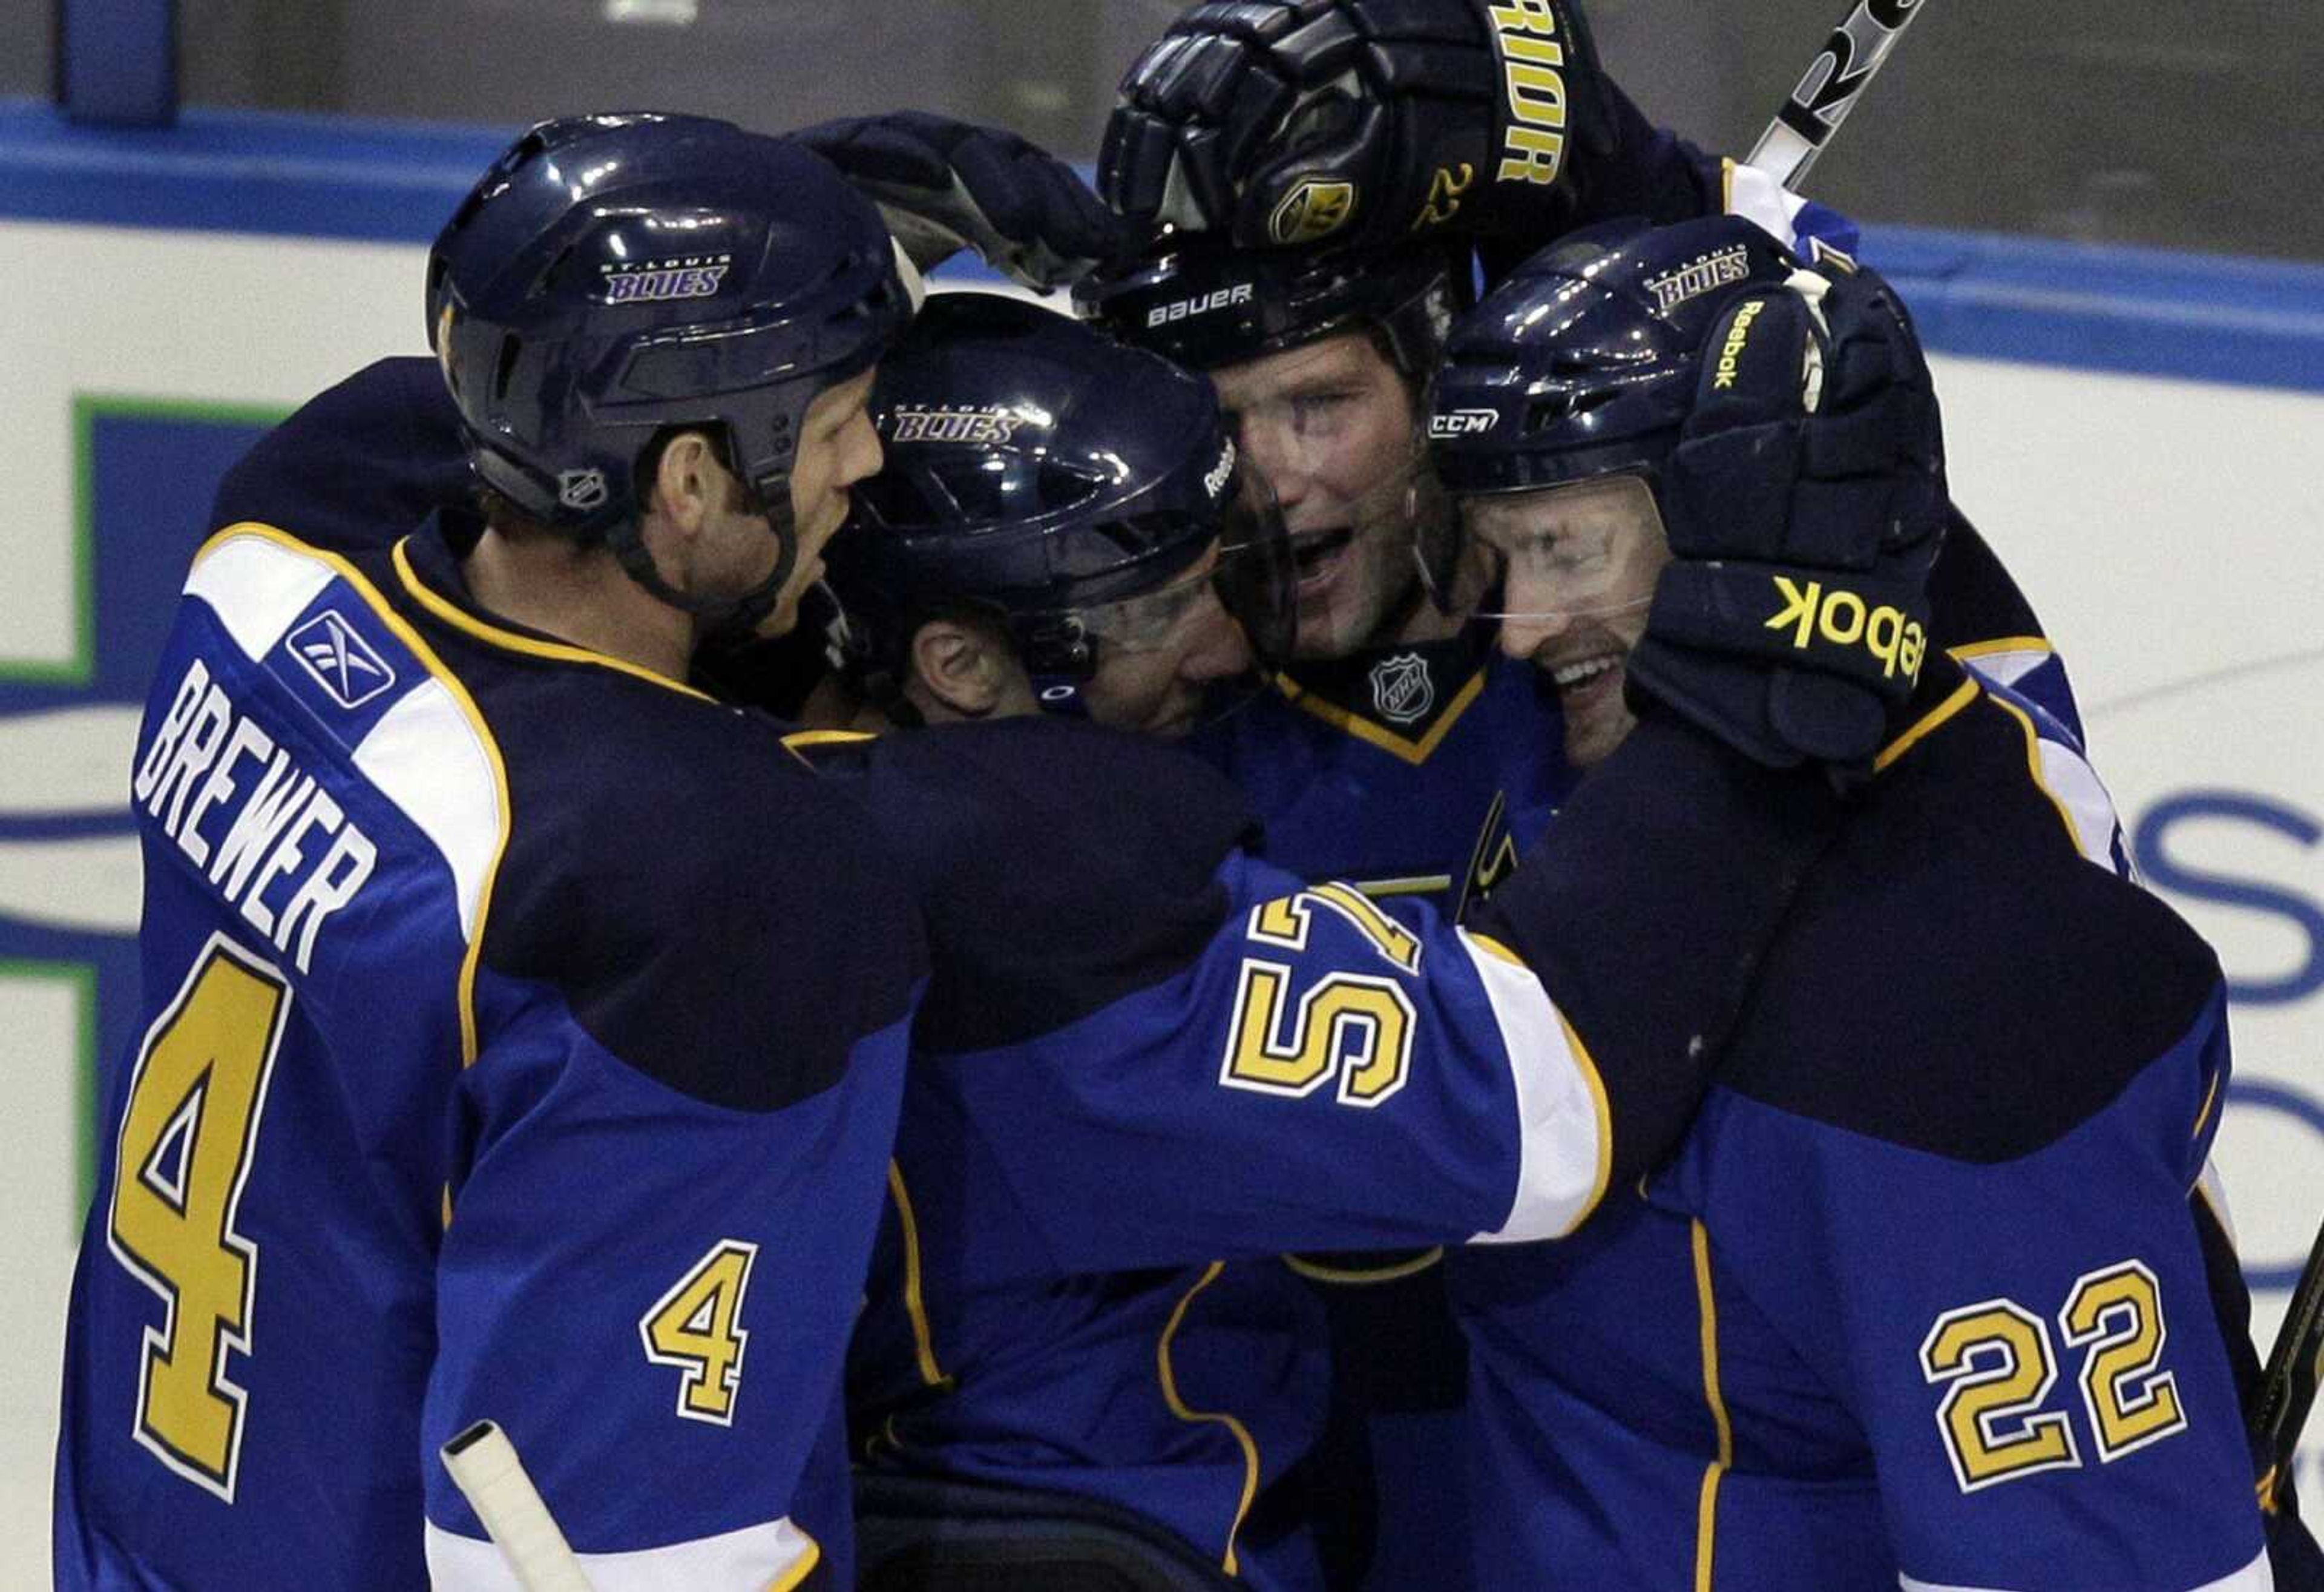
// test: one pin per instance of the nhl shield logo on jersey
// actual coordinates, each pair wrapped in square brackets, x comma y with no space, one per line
[1402,690]
[1314,210]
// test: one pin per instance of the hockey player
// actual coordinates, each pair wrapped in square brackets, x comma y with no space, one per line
[1055,529]
[486,1078]
[1058,536]
[1318,174]
[1310,188]
[1313,179]
[1932,1291]
[1216,1066]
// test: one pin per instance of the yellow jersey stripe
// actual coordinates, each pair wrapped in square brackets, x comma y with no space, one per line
[1363,1276]
[1364,729]
[1929,723]
[1706,1510]
[2034,769]
[2006,644]
[923,1346]
[461,620]
[800,1570]
[1600,1109]
[2210,1098]
[1242,1436]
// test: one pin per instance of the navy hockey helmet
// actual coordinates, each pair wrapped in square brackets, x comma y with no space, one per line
[613,276]
[1583,362]
[1204,303]
[1068,487]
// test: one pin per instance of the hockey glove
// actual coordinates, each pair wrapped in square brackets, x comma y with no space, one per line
[1804,502]
[1361,121]
[943,186]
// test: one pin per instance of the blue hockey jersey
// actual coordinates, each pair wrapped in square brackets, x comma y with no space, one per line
[501,1063]
[1925,1294]
[1141,1046]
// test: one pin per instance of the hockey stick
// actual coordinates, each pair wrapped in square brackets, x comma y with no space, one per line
[2287,1390]
[485,1467]
[1835,82]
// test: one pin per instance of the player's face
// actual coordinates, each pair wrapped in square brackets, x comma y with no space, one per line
[1577,566]
[1159,653]
[837,447]
[1330,427]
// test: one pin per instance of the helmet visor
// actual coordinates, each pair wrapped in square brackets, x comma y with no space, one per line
[1244,577]
[1585,549]
[1186,652]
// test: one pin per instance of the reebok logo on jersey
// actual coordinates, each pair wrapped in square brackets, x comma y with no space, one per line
[341,662]
[1699,276]
[1200,304]
[1533,87]
[697,276]
[1844,619]
[916,422]
[1730,357]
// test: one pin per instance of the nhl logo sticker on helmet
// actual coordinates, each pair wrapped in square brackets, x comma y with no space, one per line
[1315,208]
[1402,689]
[581,490]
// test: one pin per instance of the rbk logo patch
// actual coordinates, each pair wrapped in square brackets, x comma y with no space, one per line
[342,662]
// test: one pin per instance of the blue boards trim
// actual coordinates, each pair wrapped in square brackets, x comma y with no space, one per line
[2091,307]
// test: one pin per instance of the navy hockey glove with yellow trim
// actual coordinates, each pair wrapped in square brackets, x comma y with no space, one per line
[944,185]
[1805,502]
[1282,122]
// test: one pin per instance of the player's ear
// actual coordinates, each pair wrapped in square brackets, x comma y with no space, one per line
[688,482]
[962,666]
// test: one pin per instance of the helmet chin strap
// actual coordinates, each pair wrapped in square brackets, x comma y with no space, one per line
[733,617]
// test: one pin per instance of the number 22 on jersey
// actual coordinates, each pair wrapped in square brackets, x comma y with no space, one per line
[196,1095]
[1995,1361]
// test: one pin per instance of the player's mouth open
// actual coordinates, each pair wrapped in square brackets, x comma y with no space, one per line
[1585,679]
[1319,555]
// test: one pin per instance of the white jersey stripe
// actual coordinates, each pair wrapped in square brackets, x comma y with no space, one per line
[2075,786]
[2004,666]
[255,586]
[425,757]
[2255,1576]
[773,1555]
[1562,1125]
